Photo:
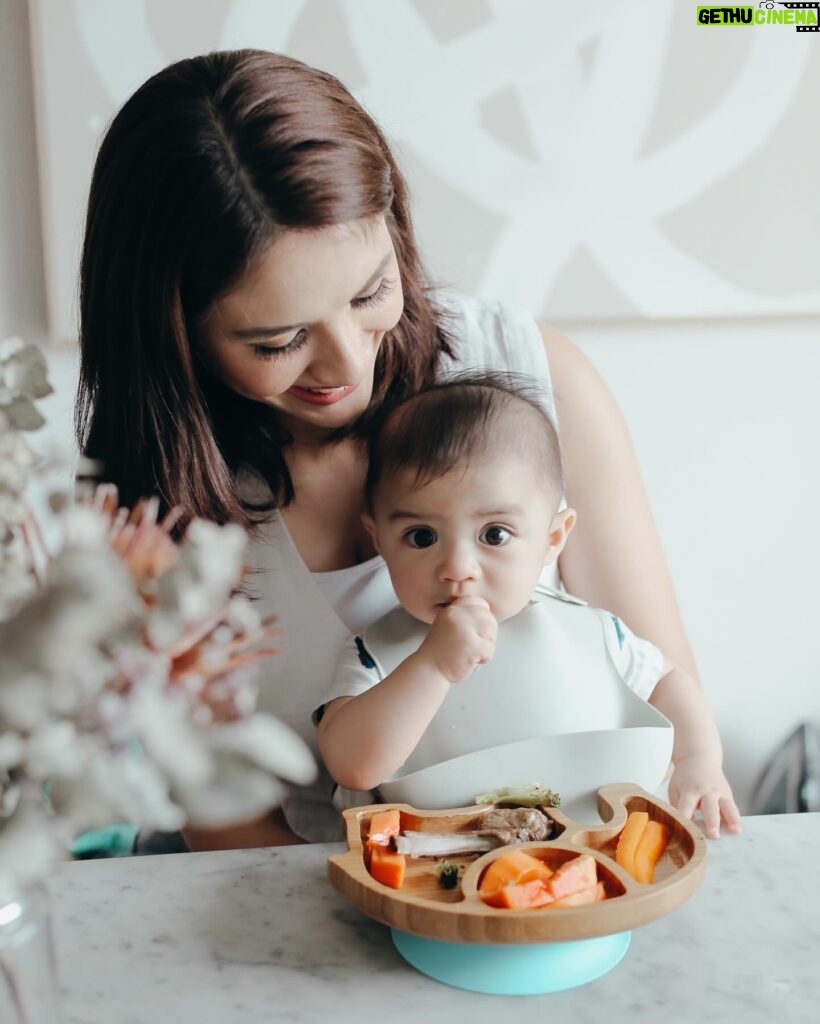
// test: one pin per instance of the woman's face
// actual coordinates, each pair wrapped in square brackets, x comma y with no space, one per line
[301,331]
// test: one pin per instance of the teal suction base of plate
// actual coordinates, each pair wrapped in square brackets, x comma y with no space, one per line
[513,970]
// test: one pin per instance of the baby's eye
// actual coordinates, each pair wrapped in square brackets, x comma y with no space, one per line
[421,537]
[494,535]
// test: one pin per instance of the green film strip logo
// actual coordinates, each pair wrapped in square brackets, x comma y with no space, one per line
[804,17]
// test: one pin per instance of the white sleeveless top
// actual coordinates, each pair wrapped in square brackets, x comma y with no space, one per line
[317,612]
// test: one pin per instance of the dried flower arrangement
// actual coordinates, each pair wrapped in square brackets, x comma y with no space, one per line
[126,680]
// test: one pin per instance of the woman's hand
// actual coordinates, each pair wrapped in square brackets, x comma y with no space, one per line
[699,782]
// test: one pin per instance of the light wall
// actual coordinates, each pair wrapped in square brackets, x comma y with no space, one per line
[726,422]
[22,277]
[608,159]
[724,416]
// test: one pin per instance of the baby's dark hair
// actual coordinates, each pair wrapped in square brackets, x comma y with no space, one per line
[460,417]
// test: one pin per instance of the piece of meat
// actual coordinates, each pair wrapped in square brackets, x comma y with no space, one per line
[515,824]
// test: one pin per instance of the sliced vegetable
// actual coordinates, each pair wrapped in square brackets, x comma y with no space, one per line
[387,867]
[512,868]
[383,826]
[523,896]
[574,875]
[629,838]
[649,850]
[443,844]
[594,894]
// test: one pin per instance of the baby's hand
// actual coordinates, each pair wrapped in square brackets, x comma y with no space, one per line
[699,782]
[462,637]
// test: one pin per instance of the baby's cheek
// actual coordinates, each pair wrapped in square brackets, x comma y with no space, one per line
[412,594]
[406,592]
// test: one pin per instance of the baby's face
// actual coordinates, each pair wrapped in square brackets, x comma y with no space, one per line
[482,531]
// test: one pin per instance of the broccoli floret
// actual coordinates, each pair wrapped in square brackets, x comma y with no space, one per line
[447,874]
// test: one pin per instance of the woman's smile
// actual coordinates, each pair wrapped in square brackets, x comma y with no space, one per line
[322,396]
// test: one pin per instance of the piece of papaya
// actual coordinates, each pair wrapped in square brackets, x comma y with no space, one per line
[383,826]
[593,894]
[629,838]
[512,867]
[574,875]
[387,867]
[521,896]
[649,850]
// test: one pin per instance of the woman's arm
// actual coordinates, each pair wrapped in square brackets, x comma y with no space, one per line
[614,558]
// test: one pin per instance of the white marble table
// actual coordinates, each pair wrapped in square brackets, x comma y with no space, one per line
[260,935]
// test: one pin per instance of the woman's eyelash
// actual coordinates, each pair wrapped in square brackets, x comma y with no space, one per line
[277,351]
[379,295]
[365,302]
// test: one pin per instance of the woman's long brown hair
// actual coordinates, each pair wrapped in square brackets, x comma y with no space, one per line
[199,171]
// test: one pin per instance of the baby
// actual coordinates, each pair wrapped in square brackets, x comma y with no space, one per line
[465,495]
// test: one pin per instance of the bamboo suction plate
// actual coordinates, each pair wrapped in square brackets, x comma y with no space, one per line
[453,936]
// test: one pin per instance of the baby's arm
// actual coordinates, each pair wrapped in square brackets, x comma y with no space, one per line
[697,779]
[365,739]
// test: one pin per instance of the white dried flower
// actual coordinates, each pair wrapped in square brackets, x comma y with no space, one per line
[29,843]
[266,742]
[242,617]
[12,510]
[84,528]
[54,750]
[22,414]
[163,725]
[207,570]
[236,793]
[12,751]
[23,372]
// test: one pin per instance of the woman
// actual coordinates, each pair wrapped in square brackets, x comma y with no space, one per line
[250,292]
